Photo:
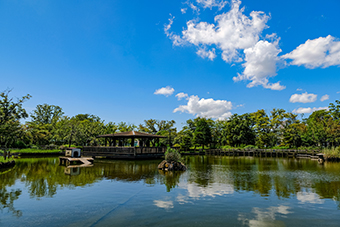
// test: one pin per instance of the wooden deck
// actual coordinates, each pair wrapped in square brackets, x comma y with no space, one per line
[266,153]
[86,161]
[125,152]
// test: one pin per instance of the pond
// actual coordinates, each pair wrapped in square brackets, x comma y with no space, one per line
[214,191]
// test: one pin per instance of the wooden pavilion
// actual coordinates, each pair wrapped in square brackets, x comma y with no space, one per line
[144,139]
[111,150]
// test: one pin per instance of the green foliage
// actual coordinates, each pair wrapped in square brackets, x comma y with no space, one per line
[331,152]
[34,151]
[11,112]
[250,147]
[3,160]
[172,155]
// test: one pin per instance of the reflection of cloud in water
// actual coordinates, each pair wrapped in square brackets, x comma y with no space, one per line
[309,197]
[265,217]
[212,190]
[164,204]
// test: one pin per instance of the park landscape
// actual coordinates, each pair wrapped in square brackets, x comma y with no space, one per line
[169,113]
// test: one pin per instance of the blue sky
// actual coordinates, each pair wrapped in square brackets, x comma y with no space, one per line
[110,58]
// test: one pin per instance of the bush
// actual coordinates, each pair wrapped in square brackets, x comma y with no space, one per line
[250,147]
[331,152]
[173,155]
[20,145]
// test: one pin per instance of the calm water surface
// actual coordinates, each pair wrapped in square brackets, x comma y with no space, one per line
[214,191]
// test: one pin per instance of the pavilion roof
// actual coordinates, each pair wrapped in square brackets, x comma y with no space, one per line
[131,134]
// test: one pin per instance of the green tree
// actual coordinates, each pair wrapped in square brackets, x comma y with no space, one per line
[239,130]
[202,133]
[11,112]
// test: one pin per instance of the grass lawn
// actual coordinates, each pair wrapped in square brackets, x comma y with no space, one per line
[33,151]
[7,160]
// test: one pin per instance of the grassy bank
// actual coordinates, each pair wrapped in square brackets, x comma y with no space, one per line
[33,151]
[331,152]
[2,159]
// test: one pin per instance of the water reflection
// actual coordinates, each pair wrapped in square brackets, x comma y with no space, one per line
[207,177]
[265,217]
[7,199]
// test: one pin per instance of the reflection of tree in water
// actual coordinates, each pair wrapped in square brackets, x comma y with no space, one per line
[7,199]
[201,170]
[285,176]
[329,190]
[171,178]
[43,176]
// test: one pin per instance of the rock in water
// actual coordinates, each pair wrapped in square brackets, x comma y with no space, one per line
[170,166]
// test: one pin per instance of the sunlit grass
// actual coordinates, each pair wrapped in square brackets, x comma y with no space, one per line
[33,151]
[331,152]
[2,159]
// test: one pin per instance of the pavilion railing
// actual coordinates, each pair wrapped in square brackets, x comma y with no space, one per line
[109,151]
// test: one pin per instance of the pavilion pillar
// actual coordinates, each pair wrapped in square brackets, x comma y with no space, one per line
[114,142]
[132,142]
[105,141]
[120,142]
[147,143]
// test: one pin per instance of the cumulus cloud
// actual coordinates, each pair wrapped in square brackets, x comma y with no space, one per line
[181,95]
[184,10]
[165,91]
[325,97]
[303,98]
[206,107]
[212,3]
[261,63]
[321,52]
[307,110]
[231,32]
[237,38]
[203,53]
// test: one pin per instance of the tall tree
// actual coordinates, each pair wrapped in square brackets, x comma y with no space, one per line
[10,114]
[202,134]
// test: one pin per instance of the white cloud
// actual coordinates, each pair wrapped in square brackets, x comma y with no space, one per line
[299,89]
[321,52]
[338,92]
[261,63]
[203,53]
[308,110]
[231,32]
[206,107]
[164,204]
[165,91]
[235,35]
[304,98]
[325,97]
[176,39]
[212,3]
[181,95]
[194,8]
[184,10]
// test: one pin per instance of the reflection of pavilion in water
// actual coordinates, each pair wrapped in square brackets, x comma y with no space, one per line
[72,171]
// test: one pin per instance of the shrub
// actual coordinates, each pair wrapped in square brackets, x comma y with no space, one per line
[331,152]
[20,144]
[173,155]
[250,147]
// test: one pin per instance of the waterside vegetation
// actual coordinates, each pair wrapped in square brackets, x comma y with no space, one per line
[50,130]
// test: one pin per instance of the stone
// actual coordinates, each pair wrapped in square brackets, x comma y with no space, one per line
[166,166]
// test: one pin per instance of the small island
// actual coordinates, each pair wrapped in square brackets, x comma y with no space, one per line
[173,161]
